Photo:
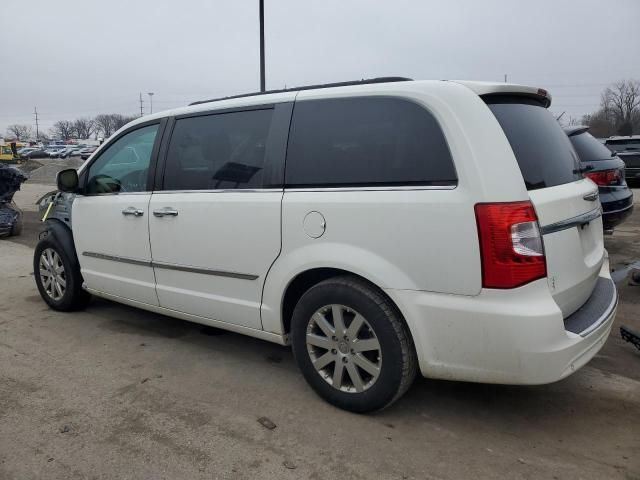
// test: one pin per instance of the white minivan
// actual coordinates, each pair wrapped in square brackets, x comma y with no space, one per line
[380,227]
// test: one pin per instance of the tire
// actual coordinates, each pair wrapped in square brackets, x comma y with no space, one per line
[73,296]
[16,228]
[367,315]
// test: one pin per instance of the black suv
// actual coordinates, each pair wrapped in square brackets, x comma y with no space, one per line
[606,169]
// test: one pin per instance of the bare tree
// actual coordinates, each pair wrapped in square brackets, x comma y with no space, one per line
[622,102]
[107,124]
[20,132]
[83,127]
[63,129]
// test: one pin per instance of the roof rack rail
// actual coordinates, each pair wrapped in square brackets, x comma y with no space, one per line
[311,87]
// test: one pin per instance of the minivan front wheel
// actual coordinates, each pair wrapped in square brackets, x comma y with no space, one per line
[352,346]
[58,279]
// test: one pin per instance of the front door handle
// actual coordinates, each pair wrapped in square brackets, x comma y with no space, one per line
[136,212]
[165,212]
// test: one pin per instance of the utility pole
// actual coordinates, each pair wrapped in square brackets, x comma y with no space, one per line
[505,78]
[35,112]
[262,81]
[141,110]
[150,102]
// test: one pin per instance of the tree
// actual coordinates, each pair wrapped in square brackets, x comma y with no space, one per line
[63,129]
[20,132]
[622,101]
[107,124]
[83,127]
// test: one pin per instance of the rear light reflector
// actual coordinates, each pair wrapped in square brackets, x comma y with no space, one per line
[511,247]
[605,177]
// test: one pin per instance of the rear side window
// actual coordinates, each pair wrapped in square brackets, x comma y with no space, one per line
[542,149]
[221,151]
[588,148]
[366,141]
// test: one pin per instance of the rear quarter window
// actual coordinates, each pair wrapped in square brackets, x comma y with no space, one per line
[366,141]
[544,153]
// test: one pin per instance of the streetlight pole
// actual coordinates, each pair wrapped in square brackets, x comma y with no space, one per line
[150,102]
[262,81]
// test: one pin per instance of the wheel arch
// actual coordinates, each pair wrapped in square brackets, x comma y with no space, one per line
[303,281]
[61,234]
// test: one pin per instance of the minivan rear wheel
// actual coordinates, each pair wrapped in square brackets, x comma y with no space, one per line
[352,345]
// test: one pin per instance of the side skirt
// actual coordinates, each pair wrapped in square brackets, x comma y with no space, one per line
[252,332]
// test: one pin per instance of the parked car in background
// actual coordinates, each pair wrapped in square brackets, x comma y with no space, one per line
[623,144]
[606,170]
[426,226]
[631,161]
[86,153]
[54,150]
[25,150]
[38,153]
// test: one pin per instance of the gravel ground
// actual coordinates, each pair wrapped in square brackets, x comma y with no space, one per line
[114,392]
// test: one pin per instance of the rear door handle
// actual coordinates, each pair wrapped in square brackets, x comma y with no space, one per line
[136,212]
[165,212]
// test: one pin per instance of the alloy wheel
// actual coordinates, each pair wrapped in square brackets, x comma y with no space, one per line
[52,274]
[343,348]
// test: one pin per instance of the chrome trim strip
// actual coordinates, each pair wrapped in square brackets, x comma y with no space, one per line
[577,221]
[373,189]
[225,190]
[619,210]
[605,316]
[204,271]
[114,258]
[171,266]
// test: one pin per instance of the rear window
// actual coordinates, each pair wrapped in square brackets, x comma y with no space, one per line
[588,148]
[623,144]
[542,149]
[366,141]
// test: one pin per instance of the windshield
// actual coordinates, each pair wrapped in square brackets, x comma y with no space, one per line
[543,151]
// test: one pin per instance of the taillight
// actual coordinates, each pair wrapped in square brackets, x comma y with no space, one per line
[605,177]
[510,244]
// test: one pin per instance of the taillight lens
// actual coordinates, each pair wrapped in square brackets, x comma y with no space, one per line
[605,177]
[510,244]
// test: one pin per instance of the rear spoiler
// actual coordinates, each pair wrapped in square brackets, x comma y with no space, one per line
[489,89]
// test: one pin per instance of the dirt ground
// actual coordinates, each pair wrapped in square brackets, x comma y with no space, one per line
[114,392]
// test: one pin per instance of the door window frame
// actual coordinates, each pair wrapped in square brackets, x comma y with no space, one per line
[153,161]
[275,152]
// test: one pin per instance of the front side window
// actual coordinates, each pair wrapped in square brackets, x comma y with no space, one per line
[124,165]
[366,141]
[220,151]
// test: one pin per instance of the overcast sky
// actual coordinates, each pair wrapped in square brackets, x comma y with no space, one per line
[74,58]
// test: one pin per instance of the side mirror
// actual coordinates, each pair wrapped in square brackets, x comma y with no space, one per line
[67,180]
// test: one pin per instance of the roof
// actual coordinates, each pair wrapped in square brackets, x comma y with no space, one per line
[624,137]
[395,84]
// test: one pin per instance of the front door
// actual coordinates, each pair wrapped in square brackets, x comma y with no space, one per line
[215,224]
[110,220]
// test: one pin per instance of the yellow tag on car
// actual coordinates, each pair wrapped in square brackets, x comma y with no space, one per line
[46,214]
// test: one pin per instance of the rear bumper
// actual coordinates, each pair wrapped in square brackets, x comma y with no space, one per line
[500,336]
[617,205]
